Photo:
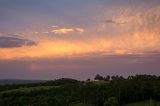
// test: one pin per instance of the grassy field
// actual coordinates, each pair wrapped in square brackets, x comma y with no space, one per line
[145,103]
[29,89]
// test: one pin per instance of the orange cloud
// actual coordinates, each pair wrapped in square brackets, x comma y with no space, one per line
[136,44]
[62,31]
[67,30]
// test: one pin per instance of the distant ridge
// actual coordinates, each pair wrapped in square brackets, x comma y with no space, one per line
[19,81]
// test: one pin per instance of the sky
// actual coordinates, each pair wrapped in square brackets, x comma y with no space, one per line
[50,39]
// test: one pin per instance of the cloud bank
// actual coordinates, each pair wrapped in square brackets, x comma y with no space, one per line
[13,42]
[131,34]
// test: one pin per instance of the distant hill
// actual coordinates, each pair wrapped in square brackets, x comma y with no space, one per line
[18,81]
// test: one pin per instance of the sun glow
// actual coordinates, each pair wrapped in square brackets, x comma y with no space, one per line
[135,44]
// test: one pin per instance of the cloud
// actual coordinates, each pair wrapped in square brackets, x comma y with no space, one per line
[114,22]
[57,30]
[62,31]
[67,30]
[123,20]
[45,32]
[13,42]
[150,17]
[80,30]
[122,45]
[36,32]
[139,35]
[54,26]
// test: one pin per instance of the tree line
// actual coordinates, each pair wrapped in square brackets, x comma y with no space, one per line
[102,91]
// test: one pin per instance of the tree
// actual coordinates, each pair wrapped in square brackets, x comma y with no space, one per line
[112,101]
[98,77]
[107,78]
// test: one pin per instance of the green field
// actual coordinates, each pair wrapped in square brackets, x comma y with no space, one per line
[29,89]
[145,103]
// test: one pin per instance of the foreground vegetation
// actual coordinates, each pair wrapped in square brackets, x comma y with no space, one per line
[103,91]
[145,103]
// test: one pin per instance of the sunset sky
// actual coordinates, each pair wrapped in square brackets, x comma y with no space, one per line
[48,39]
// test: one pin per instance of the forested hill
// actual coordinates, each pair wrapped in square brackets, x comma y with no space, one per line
[102,91]
[18,81]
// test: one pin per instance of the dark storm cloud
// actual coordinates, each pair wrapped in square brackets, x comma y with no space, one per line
[12,42]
